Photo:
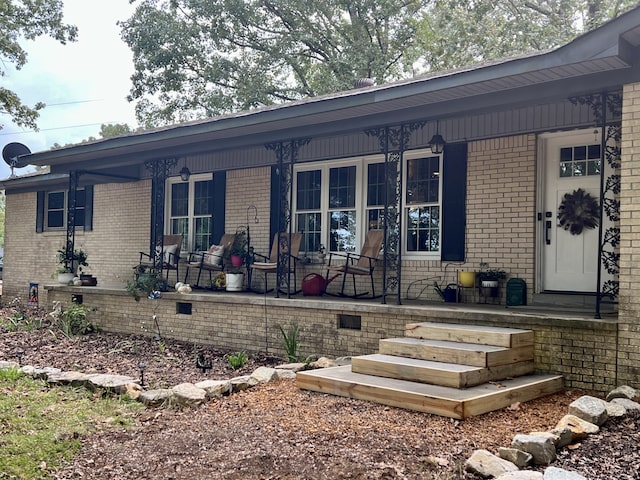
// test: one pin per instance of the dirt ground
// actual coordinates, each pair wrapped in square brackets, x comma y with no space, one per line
[277,431]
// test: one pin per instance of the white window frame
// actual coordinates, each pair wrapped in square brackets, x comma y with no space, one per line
[65,210]
[361,208]
[191,218]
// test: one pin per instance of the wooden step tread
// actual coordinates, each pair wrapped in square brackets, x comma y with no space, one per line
[436,373]
[476,334]
[439,400]
[455,352]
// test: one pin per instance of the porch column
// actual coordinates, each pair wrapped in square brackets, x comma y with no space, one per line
[160,170]
[628,359]
[74,177]
[393,143]
[286,156]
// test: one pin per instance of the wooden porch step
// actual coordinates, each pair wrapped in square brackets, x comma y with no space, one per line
[436,373]
[439,400]
[503,337]
[455,352]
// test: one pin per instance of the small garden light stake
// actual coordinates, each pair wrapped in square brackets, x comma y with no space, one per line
[19,354]
[142,366]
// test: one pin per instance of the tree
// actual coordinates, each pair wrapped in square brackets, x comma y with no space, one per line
[26,20]
[199,58]
[196,58]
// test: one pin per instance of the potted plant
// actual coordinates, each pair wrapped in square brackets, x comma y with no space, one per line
[69,267]
[237,251]
[490,280]
[145,280]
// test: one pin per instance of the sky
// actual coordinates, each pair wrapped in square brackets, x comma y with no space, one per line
[84,83]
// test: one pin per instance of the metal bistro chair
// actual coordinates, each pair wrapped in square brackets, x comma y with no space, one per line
[168,259]
[270,265]
[354,264]
[210,261]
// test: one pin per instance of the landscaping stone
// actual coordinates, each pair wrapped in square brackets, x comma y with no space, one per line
[4,365]
[624,391]
[580,428]
[554,473]
[340,361]
[615,409]
[542,448]
[155,397]
[238,384]
[519,458]
[75,379]
[265,374]
[188,394]
[40,373]
[486,464]
[521,475]
[550,435]
[215,388]
[323,362]
[588,408]
[114,383]
[629,405]
[293,367]
[565,436]
[286,375]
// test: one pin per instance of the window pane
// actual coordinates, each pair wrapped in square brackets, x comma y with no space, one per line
[202,198]
[55,219]
[309,224]
[423,229]
[79,217]
[179,199]
[342,187]
[202,234]
[375,184]
[308,190]
[180,226]
[594,151]
[423,184]
[342,231]
[55,201]
[376,219]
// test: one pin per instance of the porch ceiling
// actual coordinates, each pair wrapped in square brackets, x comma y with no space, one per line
[603,59]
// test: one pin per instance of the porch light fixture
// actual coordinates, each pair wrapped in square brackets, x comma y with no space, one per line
[185,173]
[437,142]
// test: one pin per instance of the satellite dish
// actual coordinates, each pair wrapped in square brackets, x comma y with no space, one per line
[11,154]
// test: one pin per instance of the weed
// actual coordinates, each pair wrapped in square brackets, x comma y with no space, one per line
[161,346]
[10,374]
[75,320]
[291,341]
[237,360]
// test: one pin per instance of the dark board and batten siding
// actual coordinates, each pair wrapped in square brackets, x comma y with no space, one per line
[538,118]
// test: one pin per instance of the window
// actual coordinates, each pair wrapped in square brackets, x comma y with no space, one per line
[336,203]
[52,209]
[190,211]
[580,161]
[422,200]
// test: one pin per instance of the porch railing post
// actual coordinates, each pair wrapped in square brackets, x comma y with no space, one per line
[74,177]
[160,170]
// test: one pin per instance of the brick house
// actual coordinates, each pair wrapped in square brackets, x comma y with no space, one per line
[527,140]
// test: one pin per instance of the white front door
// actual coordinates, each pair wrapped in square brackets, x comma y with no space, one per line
[571,175]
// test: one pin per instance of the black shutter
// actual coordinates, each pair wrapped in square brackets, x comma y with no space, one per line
[218,205]
[454,199]
[88,208]
[40,212]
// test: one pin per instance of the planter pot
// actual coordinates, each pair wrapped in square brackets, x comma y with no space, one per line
[489,291]
[467,279]
[490,283]
[236,260]
[234,282]
[65,278]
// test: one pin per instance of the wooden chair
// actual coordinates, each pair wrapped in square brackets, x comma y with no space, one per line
[354,264]
[166,260]
[210,261]
[270,265]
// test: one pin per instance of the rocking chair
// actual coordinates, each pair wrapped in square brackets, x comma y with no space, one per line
[270,265]
[166,260]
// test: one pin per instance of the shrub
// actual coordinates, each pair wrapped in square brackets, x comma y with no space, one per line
[237,360]
[291,342]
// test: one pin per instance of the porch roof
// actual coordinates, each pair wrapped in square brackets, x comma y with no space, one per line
[604,59]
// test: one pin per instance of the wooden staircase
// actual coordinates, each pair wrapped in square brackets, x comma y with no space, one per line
[447,369]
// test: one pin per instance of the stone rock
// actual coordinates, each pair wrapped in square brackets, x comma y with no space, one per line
[215,388]
[188,394]
[615,409]
[542,448]
[554,473]
[580,428]
[75,379]
[286,375]
[133,390]
[486,464]
[550,435]
[4,365]
[292,367]
[115,383]
[565,436]
[624,391]
[519,458]
[156,397]
[521,475]
[40,373]
[244,382]
[323,362]
[589,408]
[341,361]
[265,374]
[629,405]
